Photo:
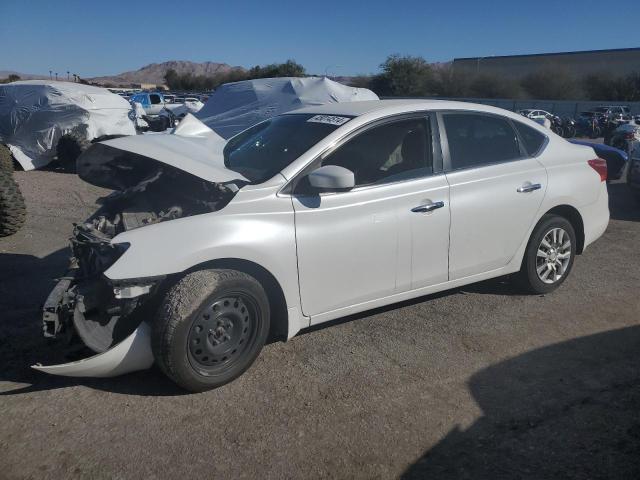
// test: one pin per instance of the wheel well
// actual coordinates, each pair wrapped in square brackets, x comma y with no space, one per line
[277,302]
[574,217]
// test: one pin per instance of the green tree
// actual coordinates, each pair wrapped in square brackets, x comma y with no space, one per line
[405,76]
[172,79]
[288,69]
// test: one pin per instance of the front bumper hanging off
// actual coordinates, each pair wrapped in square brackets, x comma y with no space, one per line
[131,354]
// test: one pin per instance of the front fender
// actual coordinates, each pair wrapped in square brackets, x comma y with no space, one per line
[265,237]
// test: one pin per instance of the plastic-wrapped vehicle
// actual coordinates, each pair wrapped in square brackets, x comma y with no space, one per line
[40,120]
[236,106]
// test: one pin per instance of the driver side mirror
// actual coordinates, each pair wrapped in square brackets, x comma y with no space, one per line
[332,178]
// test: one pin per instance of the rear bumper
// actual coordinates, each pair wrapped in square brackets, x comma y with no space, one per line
[595,216]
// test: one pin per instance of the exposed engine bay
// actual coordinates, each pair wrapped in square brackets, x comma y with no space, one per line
[86,303]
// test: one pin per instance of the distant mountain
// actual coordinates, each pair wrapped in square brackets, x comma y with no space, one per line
[155,72]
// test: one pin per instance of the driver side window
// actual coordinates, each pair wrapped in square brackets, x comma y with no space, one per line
[387,153]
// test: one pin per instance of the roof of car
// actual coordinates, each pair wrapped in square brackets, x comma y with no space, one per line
[362,107]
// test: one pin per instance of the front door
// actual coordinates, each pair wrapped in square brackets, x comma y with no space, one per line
[387,235]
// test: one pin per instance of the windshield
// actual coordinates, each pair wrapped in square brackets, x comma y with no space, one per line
[602,109]
[266,148]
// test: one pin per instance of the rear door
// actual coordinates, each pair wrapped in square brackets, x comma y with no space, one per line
[496,189]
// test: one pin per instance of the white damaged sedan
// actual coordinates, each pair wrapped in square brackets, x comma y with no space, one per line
[207,249]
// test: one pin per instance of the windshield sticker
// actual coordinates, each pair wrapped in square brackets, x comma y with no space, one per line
[330,119]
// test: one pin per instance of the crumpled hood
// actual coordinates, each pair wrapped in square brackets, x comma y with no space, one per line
[192,147]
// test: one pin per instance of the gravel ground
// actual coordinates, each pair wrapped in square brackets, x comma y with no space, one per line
[478,382]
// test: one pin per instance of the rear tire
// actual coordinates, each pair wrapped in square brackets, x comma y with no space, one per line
[210,328]
[12,208]
[549,256]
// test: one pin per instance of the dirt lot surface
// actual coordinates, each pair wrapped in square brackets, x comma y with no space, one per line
[479,382]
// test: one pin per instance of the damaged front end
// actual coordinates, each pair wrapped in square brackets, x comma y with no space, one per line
[109,316]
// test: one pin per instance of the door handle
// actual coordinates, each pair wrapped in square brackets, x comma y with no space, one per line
[428,207]
[529,188]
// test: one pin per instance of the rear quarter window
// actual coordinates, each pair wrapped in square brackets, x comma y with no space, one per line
[532,139]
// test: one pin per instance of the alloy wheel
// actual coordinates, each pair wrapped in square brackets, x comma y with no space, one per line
[554,255]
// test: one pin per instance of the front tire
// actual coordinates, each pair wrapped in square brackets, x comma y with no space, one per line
[549,256]
[210,328]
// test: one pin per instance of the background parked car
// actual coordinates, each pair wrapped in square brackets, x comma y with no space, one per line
[534,114]
[236,106]
[549,120]
[614,112]
[161,114]
[633,172]
[40,120]
[624,136]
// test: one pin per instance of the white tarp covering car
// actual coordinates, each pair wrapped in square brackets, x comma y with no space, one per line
[35,114]
[233,107]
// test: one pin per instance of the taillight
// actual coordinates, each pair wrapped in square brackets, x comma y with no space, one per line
[600,166]
[629,135]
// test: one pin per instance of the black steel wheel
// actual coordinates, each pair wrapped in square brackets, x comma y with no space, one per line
[222,332]
[210,328]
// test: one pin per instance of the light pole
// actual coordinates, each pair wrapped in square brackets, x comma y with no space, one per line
[67,75]
[50,74]
[56,76]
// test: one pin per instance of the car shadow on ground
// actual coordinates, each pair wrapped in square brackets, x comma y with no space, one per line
[569,410]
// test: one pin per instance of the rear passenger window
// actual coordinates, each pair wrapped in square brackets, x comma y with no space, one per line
[476,140]
[531,138]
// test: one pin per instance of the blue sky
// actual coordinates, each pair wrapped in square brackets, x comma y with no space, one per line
[100,38]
